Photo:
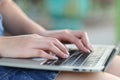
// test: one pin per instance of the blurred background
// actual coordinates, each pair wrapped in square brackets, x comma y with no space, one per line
[100,18]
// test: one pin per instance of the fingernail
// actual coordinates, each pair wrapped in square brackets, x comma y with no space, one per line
[67,53]
[88,51]
[91,48]
[91,51]
[54,57]
[66,56]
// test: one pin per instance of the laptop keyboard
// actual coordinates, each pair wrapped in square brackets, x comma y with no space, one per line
[79,58]
[93,59]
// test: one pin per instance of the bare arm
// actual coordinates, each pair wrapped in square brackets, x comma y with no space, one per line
[16,22]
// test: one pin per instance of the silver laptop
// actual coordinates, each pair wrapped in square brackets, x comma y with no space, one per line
[78,61]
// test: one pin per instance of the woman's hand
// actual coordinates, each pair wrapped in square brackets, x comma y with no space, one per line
[27,46]
[80,39]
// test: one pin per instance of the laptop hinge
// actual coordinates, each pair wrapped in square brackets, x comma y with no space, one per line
[110,58]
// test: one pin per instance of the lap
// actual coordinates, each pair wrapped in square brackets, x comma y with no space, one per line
[7,73]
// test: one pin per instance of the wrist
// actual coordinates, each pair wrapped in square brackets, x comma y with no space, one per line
[51,33]
[45,33]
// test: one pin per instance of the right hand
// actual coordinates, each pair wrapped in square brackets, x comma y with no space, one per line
[28,46]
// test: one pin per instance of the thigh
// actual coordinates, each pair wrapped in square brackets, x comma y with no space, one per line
[86,76]
[114,67]
[7,73]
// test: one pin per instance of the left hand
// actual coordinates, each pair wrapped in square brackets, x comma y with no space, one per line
[80,39]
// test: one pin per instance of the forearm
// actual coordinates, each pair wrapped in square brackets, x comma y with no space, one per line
[16,22]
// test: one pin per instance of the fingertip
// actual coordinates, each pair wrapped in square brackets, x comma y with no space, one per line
[44,54]
[84,49]
[91,48]
[54,57]
[67,52]
[87,51]
[63,55]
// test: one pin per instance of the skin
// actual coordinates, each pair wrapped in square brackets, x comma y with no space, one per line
[22,25]
[35,41]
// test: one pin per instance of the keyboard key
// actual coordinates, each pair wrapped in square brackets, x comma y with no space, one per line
[81,59]
[48,62]
[72,58]
[72,52]
[94,57]
[59,61]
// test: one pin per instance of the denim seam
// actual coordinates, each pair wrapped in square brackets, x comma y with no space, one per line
[28,75]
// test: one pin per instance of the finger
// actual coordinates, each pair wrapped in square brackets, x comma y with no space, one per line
[87,45]
[58,52]
[43,54]
[77,42]
[48,44]
[80,45]
[84,39]
[61,46]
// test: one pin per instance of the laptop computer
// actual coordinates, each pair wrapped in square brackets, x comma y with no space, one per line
[78,61]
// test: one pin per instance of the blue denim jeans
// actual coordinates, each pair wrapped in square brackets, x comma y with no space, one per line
[1,26]
[7,73]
